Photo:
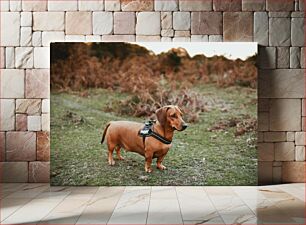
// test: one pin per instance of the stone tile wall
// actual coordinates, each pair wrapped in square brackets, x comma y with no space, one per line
[28,27]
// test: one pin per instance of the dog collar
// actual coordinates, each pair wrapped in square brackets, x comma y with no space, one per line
[147,131]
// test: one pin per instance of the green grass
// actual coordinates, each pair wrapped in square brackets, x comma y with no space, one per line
[197,156]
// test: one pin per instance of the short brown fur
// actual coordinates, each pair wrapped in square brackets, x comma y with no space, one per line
[124,134]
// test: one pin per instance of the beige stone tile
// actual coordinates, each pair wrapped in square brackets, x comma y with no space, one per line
[42,57]
[124,22]
[39,172]
[7,114]
[75,38]
[296,191]
[41,207]
[24,57]
[34,123]
[284,151]
[29,191]
[48,21]
[34,5]
[21,122]
[69,210]
[206,23]
[2,146]
[293,172]
[21,146]
[203,5]
[78,23]
[248,193]
[265,151]
[141,26]
[9,188]
[132,207]
[100,208]
[209,219]
[45,122]
[12,83]
[137,5]
[300,138]
[43,146]
[279,6]
[274,83]
[195,204]
[170,5]
[2,57]
[265,174]
[220,5]
[52,36]
[102,23]
[55,5]
[14,171]
[10,28]
[28,106]
[91,5]
[118,38]
[181,21]
[238,26]
[143,38]
[164,206]
[286,114]
[9,206]
[272,214]
[37,83]
[112,5]
[253,5]
[26,19]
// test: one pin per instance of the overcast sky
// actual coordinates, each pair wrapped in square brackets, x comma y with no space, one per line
[231,50]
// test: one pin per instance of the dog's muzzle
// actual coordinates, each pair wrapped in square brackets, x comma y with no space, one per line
[184,126]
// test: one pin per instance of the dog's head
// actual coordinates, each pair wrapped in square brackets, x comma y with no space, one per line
[171,116]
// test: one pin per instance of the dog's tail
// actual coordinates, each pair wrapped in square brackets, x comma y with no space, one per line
[104,133]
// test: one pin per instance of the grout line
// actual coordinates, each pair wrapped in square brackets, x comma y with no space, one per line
[179,204]
[214,206]
[149,205]
[54,207]
[88,201]
[116,204]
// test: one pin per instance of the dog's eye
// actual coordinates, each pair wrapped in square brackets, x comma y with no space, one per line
[173,115]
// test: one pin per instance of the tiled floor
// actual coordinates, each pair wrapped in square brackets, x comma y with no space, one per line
[42,204]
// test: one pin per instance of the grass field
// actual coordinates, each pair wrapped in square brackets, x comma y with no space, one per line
[197,156]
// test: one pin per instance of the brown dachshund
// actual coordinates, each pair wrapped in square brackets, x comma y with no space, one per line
[124,134]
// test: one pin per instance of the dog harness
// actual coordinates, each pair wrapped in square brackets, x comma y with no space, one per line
[147,131]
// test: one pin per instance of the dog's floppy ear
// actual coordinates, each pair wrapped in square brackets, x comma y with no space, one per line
[161,115]
[179,109]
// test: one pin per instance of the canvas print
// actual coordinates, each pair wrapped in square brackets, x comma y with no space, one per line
[153,113]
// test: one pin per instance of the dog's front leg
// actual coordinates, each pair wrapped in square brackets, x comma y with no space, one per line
[148,157]
[159,164]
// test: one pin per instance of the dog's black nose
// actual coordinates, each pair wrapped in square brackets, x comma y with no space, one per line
[184,126]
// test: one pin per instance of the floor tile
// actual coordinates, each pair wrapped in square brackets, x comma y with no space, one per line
[9,206]
[164,206]
[195,204]
[100,208]
[29,191]
[132,207]
[69,210]
[32,212]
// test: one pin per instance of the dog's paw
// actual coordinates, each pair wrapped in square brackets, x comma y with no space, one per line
[120,158]
[148,170]
[111,162]
[161,167]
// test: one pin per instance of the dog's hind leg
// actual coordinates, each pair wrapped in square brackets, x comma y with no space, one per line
[119,153]
[111,148]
